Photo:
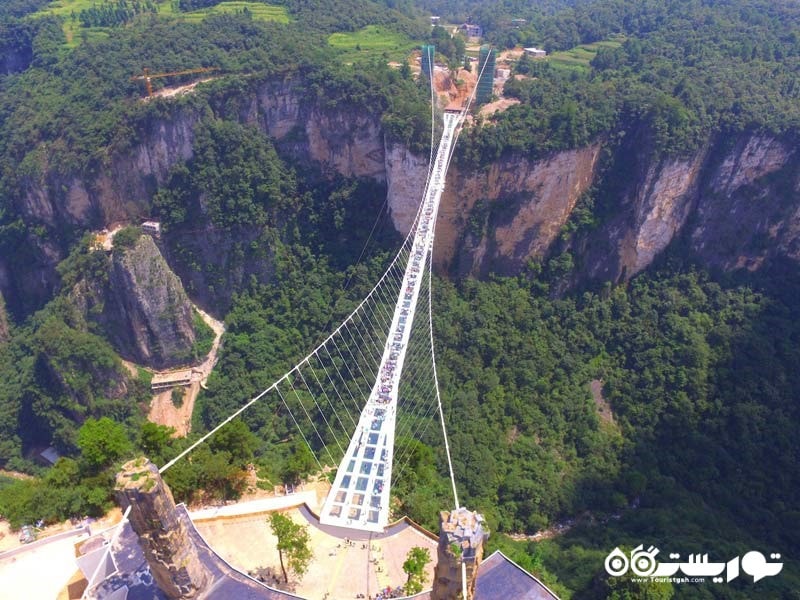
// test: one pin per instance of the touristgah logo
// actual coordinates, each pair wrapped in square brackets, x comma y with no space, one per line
[695,569]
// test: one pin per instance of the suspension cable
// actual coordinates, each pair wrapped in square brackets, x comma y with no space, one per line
[435,375]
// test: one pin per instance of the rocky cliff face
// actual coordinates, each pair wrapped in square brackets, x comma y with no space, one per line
[650,208]
[499,218]
[122,190]
[737,200]
[169,549]
[149,316]
[496,218]
[748,209]
[346,141]
[3,321]
[343,140]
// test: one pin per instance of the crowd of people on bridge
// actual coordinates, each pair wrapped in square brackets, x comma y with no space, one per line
[364,467]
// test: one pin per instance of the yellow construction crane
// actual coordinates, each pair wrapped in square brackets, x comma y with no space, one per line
[147,76]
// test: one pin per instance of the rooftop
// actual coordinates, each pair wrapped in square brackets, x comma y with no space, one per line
[500,578]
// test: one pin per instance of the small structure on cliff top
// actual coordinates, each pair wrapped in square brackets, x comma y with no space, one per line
[152,228]
[535,52]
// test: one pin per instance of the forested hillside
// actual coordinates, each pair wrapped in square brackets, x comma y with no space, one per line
[659,410]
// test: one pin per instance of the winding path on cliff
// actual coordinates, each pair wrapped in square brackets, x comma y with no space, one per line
[162,409]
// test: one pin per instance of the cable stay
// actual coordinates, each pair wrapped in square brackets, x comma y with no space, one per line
[373,379]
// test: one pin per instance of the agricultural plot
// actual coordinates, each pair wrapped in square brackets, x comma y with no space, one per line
[259,11]
[579,57]
[69,11]
[373,40]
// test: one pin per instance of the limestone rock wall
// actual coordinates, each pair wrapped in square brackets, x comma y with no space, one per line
[169,550]
[343,140]
[736,199]
[748,210]
[3,321]
[652,209]
[406,174]
[121,190]
[149,315]
[494,218]
[736,202]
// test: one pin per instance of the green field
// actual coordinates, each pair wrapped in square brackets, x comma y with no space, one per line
[75,34]
[259,11]
[371,41]
[6,481]
[72,28]
[579,57]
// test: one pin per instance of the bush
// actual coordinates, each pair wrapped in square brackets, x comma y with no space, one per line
[126,238]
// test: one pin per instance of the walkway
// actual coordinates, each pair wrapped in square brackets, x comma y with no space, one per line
[360,495]
[21,575]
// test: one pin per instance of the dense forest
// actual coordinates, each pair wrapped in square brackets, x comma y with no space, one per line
[658,411]
[684,71]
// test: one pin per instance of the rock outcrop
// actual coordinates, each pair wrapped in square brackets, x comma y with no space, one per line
[462,535]
[736,204]
[498,217]
[121,191]
[149,316]
[406,174]
[736,200]
[344,139]
[3,321]
[748,209]
[652,206]
[170,552]
[338,139]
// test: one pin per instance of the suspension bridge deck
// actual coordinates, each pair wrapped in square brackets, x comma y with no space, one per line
[360,496]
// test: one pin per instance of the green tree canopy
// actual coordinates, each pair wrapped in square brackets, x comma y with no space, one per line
[102,441]
[414,567]
[293,543]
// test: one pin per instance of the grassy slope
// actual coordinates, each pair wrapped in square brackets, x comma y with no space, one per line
[260,12]
[75,33]
[373,40]
[579,57]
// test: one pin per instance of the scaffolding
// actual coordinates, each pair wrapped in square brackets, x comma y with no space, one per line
[486,60]
[428,52]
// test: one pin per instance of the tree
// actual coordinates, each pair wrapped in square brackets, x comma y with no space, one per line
[293,541]
[416,561]
[301,462]
[155,440]
[237,439]
[126,238]
[102,441]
